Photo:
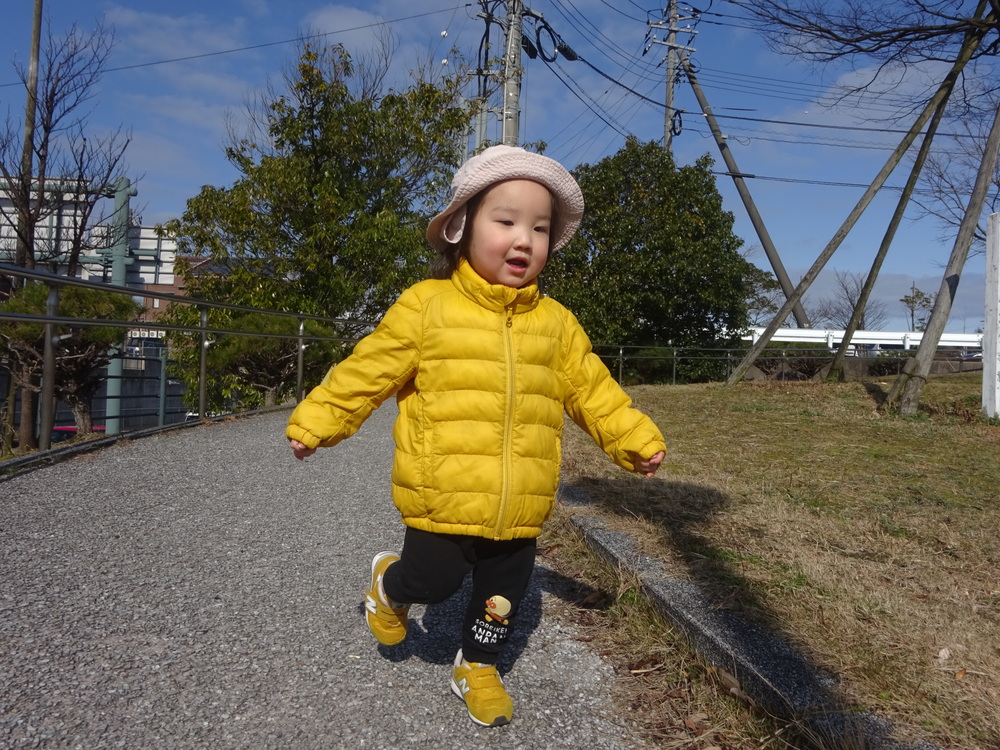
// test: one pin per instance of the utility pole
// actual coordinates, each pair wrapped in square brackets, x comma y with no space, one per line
[483,74]
[673,18]
[510,109]
[801,319]
[25,251]
[512,74]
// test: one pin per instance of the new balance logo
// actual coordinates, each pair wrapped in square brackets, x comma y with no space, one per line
[370,604]
[463,686]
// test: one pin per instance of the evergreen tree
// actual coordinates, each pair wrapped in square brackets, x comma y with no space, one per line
[328,215]
[656,262]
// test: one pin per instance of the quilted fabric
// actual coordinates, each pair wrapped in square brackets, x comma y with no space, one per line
[482,375]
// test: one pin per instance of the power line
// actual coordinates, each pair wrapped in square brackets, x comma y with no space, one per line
[851,128]
[847,128]
[820,183]
[265,45]
[616,9]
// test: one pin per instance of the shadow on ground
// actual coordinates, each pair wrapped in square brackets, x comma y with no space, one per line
[701,589]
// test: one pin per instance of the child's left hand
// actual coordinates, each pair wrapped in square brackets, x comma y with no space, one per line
[648,466]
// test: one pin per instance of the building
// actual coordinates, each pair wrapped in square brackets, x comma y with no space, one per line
[148,259]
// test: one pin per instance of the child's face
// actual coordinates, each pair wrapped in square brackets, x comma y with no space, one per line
[509,243]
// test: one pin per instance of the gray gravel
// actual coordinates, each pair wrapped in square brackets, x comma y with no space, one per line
[202,589]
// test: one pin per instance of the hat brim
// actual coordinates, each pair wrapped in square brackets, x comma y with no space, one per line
[501,163]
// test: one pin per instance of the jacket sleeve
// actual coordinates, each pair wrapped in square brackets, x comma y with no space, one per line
[599,405]
[380,364]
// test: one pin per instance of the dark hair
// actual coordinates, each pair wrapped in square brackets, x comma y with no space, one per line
[445,262]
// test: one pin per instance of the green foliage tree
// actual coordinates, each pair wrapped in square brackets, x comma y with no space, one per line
[764,293]
[252,371]
[328,214]
[81,353]
[656,261]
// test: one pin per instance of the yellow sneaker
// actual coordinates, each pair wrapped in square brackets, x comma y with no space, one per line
[480,686]
[388,624]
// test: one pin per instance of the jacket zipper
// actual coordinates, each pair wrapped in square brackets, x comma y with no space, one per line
[508,427]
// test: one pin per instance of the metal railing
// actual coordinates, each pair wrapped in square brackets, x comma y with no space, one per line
[634,364]
[52,320]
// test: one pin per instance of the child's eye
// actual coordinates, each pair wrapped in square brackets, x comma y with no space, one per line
[542,230]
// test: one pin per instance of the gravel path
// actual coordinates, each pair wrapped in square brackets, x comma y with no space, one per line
[202,589]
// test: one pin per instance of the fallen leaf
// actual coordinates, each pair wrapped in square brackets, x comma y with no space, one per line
[729,680]
[696,722]
[960,674]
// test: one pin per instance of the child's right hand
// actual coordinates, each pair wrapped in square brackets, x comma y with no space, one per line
[648,466]
[300,451]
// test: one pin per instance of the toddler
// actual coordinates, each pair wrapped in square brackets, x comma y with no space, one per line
[482,366]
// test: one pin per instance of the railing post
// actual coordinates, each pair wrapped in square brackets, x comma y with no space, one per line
[161,412]
[621,360]
[300,376]
[113,400]
[203,365]
[48,405]
[674,358]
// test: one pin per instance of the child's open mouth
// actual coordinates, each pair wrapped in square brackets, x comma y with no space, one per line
[519,263]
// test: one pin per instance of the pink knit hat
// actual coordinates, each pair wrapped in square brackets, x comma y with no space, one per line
[498,163]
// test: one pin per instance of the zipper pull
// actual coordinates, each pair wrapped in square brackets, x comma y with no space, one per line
[510,316]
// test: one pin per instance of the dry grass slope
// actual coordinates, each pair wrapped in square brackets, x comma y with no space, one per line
[868,541]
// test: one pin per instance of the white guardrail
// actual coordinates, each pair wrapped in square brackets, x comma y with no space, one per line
[904,339]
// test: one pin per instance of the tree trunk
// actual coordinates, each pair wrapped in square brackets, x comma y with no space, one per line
[908,386]
[82,416]
[857,317]
[26,438]
[7,445]
[970,44]
[737,375]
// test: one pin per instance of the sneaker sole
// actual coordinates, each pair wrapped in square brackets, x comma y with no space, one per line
[375,563]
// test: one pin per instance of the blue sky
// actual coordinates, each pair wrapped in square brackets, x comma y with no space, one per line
[180,68]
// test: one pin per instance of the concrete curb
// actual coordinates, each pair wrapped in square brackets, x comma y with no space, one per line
[767,671]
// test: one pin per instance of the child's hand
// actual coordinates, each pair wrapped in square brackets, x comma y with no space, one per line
[300,450]
[648,466]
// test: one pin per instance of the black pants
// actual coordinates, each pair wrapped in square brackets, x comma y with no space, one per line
[432,567]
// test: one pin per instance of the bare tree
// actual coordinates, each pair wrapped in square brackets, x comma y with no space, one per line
[68,173]
[58,177]
[835,310]
[902,33]
[918,304]
[906,390]
[948,175]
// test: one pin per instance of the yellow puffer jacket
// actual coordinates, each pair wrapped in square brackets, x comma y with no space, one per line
[482,374]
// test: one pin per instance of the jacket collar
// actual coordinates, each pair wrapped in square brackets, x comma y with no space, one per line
[496,297]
